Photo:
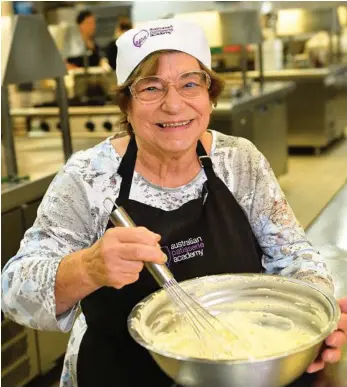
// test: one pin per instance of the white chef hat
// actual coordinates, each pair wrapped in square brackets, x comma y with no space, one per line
[166,34]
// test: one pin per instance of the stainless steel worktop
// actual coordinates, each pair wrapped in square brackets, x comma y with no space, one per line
[16,194]
[73,110]
[291,74]
[260,116]
[256,95]
[40,158]
[328,234]
[317,113]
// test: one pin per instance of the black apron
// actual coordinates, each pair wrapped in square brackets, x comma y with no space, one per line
[208,235]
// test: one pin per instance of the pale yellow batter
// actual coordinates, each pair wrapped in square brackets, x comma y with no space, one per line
[260,334]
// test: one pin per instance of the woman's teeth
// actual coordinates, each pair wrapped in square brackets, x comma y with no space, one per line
[175,125]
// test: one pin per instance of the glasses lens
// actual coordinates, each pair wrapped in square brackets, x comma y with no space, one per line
[149,89]
[193,84]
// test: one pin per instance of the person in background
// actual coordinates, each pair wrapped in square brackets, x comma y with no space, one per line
[80,44]
[123,25]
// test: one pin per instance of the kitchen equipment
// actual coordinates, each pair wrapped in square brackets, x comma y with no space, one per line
[41,61]
[205,325]
[95,84]
[301,302]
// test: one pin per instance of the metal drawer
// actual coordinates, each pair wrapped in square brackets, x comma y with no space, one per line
[12,230]
[18,375]
[13,350]
[9,330]
[19,354]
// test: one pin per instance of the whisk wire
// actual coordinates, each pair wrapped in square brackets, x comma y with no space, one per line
[187,312]
[202,322]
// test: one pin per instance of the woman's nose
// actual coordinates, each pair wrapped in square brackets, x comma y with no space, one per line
[173,102]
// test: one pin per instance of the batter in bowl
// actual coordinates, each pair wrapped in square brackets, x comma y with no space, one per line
[260,334]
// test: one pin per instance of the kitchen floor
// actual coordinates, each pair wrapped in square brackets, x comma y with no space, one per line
[312,181]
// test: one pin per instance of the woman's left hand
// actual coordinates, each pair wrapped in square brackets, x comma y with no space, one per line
[334,342]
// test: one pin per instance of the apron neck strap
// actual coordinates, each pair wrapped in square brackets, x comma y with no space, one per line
[127,167]
[204,159]
[126,170]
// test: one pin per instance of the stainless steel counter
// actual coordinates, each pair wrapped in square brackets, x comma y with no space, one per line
[255,96]
[317,109]
[328,234]
[14,195]
[73,111]
[291,74]
[261,117]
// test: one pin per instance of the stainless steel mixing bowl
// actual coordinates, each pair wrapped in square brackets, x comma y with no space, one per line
[301,302]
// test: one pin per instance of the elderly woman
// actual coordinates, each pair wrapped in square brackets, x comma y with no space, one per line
[179,181]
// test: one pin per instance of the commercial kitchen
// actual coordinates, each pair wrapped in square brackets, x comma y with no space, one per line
[285,68]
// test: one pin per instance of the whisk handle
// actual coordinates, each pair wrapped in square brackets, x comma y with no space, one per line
[160,273]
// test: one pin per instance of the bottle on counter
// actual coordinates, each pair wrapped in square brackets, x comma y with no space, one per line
[272,55]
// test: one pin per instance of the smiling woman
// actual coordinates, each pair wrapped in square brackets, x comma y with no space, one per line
[210,200]
[148,68]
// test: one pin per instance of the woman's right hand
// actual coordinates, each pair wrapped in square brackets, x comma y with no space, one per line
[118,257]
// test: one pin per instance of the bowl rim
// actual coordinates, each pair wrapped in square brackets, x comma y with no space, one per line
[330,327]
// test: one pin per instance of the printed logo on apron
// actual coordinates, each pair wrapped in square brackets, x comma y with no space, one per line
[184,249]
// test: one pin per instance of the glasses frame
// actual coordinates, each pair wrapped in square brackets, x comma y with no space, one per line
[133,92]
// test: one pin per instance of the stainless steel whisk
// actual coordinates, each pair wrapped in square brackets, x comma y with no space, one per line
[201,321]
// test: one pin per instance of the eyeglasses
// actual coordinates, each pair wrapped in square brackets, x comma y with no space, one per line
[153,88]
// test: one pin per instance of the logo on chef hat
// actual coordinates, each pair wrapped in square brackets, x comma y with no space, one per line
[166,251]
[143,35]
[140,38]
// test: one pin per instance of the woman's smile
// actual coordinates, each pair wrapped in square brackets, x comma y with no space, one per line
[174,126]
